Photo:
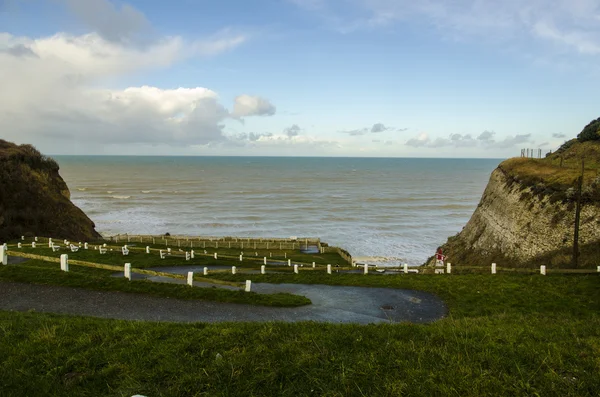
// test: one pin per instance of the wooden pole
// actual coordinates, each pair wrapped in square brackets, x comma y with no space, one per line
[577,217]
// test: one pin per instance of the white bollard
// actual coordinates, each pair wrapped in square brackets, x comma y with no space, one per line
[192,254]
[233,269]
[543,270]
[127,271]
[448,268]
[64,262]
[262,269]
[49,243]
[285,255]
[3,254]
[366,270]
[265,260]
[248,285]
[240,258]
[33,245]
[206,271]
[215,255]
[406,268]
[85,246]
[147,249]
[289,262]
[313,265]
[328,269]
[19,245]
[190,279]
[296,269]
[493,268]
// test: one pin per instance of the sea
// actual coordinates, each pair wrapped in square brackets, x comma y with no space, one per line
[386,211]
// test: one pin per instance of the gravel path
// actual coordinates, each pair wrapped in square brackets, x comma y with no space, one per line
[330,304]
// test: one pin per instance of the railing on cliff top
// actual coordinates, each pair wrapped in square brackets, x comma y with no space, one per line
[272,243]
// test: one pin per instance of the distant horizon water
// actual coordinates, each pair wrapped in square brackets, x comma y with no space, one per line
[394,210]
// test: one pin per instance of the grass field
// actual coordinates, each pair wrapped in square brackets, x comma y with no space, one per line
[507,334]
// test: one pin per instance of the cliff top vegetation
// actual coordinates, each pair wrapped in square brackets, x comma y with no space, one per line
[556,175]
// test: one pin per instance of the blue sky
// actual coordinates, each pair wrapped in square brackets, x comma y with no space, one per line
[469,78]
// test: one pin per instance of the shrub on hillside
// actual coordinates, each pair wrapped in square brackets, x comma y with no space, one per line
[591,132]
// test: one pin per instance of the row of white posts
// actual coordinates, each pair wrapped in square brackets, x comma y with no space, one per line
[64,264]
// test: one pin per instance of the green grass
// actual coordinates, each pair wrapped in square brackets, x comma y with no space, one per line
[39,272]
[138,258]
[517,335]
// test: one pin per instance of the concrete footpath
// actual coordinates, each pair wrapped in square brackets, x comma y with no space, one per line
[332,304]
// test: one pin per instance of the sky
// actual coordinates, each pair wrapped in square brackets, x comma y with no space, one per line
[369,78]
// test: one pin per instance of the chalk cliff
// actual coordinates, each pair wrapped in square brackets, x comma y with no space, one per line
[35,200]
[526,216]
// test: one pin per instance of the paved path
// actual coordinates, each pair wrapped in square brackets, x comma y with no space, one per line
[330,304]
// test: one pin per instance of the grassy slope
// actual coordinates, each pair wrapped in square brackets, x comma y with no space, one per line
[39,272]
[506,335]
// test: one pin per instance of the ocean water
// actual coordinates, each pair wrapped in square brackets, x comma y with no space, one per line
[392,210]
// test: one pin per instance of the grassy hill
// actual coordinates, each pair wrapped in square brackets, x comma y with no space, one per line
[35,200]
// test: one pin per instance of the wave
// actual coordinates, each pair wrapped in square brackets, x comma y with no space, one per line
[145,191]
[121,197]
[110,191]
[82,189]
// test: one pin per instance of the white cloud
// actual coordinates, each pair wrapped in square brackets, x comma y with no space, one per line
[570,23]
[357,132]
[122,24]
[247,105]
[485,140]
[379,127]
[50,92]
[293,131]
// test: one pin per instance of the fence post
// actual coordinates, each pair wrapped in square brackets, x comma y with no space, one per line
[147,249]
[190,279]
[3,254]
[598,269]
[543,270]
[233,269]
[366,269]
[313,265]
[493,268]
[248,285]
[262,269]
[241,258]
[406,268]
[192,254]
[289,262]
[296,269]
[265,260]
[206,271]
[64,262]
[328,269]
[127,271]
[50,243]
[215,255]
[448,268]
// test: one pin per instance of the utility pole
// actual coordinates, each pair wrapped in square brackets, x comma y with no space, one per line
[577,216]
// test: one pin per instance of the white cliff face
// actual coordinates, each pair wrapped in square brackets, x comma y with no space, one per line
[517,225]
